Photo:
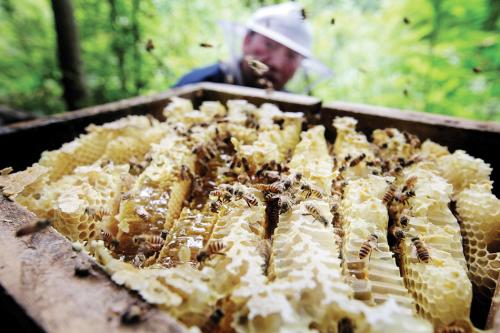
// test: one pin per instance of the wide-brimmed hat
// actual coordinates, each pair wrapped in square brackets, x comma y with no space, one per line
[284,23]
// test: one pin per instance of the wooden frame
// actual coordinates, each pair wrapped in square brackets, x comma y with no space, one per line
[31,268]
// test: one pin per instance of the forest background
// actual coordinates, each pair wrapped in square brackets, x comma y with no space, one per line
[438,56]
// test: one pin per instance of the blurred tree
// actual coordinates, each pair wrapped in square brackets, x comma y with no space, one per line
[68,50]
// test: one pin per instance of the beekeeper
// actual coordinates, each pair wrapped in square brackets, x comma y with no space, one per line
[277,41]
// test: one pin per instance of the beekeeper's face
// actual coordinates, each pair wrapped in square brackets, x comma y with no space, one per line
[282,61]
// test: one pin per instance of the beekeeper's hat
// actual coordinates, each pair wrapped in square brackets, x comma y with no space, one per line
[284,23]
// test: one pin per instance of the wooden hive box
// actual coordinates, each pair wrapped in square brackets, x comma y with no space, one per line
[39,289]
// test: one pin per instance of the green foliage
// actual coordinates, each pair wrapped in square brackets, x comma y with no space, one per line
[444,59]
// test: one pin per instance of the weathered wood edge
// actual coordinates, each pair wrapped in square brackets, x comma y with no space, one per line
[38,273]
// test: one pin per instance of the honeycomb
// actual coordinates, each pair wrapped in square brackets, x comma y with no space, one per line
[479,212]
[362,213]
[231,218]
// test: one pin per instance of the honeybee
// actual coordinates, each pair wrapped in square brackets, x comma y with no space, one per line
[238,193]
[164,234]
[389,132]
[185,173]
[142,213]
[109,241]
[314,212]
[404,197]
[395,171]
[33,227]
[206,45]
[265,83]
[222,195]
[347,158]
[284,204]
[403,221]
[149,45]
[152,242]
[215,205]
[422,252]
[297,177]
[275,187]
[413,140]
[368,246]
[310,191]
[410,183]
[213,248]
[133,314]
[213,321]
[271,175]
[396,232]
[250,199]
[413,160]
[264,248]
[257,66]
[357,160]
[389,195]
[246,165]
[96,214]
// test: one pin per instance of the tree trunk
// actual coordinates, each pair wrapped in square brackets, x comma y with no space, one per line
[68,50]
[494,12]
[117,45]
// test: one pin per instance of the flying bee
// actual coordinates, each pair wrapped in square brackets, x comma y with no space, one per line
[403,221]
[368,246]
[410,183]
[152,242]
[250,199]
[213,248]
[404,197]
[33,227]
[310,191]
[389,195]
[257,66]
[108,239]
[396,232]
[357,160]
[206,45]
[96,214]
[149,45]
[422,252]
[316,214]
